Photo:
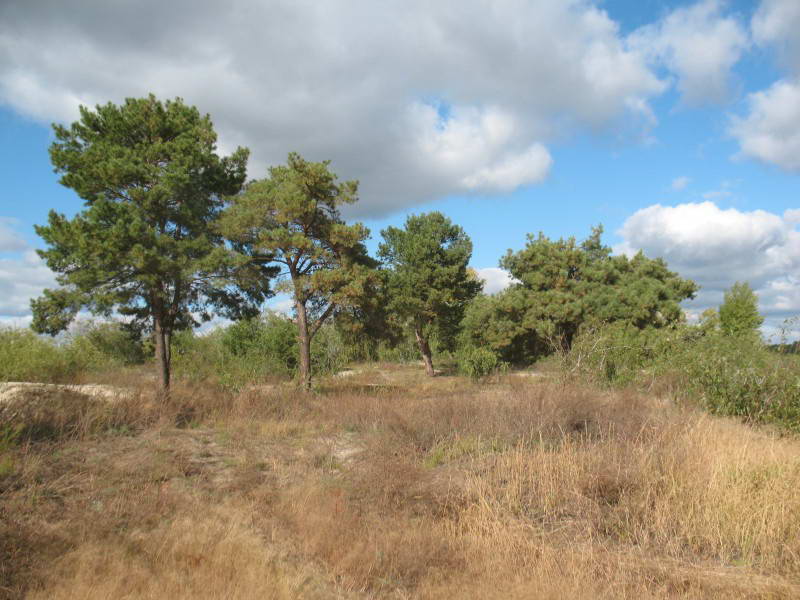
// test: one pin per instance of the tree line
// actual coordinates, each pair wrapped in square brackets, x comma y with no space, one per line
[172,234]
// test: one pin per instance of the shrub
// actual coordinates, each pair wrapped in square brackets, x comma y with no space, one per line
[271,336]
[727,375]
[253,351]
[402,350]
[112,342]
[26,356]
[477,363]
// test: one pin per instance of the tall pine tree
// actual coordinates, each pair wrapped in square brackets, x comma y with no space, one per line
[146,243]
[429,284]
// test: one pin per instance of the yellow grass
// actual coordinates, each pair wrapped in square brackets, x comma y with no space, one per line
[389,485]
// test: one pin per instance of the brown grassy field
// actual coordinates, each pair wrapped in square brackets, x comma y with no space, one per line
[385,484]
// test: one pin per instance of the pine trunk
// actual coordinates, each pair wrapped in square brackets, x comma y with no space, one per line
[162,355]
[425,350]
[304,340]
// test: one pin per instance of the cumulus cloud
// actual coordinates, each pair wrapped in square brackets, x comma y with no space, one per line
[22,278]
[718,247]
[770,132]
[418,100]
[494,279]
[679,183]
[777,23]
[23,275]
[699,45]
[10,240]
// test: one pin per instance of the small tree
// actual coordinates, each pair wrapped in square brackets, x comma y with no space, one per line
[429,282]
[293,216]
[145,245]
[738,314]
[562,286]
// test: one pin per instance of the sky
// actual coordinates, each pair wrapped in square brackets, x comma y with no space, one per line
[674,124]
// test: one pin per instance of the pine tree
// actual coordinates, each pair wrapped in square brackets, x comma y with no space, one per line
[293,216]
[145,244]
[429,281]
[562,286]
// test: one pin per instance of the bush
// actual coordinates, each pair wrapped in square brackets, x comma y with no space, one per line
[477,363]
[253,351]
[734,376]
[402,350]
[112,342]
[26,356]
[271,336]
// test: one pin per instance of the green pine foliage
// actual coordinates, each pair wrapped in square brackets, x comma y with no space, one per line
[146,244]
[293,218]
[429,284]
[563,287]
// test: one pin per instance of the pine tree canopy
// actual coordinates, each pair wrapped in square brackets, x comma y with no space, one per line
[146,243]
[562,286]
[293,215]
[429,281]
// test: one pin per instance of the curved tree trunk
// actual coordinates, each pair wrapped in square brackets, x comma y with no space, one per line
[304,341]
[424,349]
[162,355]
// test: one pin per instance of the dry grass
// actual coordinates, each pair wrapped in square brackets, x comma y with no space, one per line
[390,485]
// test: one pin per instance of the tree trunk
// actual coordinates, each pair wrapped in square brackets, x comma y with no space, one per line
[424,349]
[304,340]
[162,355]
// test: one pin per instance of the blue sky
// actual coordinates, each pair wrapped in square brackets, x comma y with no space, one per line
[674,124]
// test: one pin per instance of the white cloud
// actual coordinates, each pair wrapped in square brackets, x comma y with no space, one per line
[777,22]
[532,166]
[418,100]
[23,275]
[281,303]
[10,240]
[494,279]
[21,279]
[679,183]
[770,132]
[699,45]
[717,248]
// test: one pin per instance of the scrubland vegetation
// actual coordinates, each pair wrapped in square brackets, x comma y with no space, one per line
[402,435]
[391,485]
[599,474]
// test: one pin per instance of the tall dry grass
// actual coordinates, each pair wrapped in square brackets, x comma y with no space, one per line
[388,485]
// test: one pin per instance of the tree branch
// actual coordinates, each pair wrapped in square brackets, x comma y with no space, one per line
[313,330]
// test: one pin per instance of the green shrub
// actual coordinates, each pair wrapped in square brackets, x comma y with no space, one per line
[402,350]
[727,375]
[111,343]
[329,353]
[477,363]
[253,351]
[271,336]
[25,356]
